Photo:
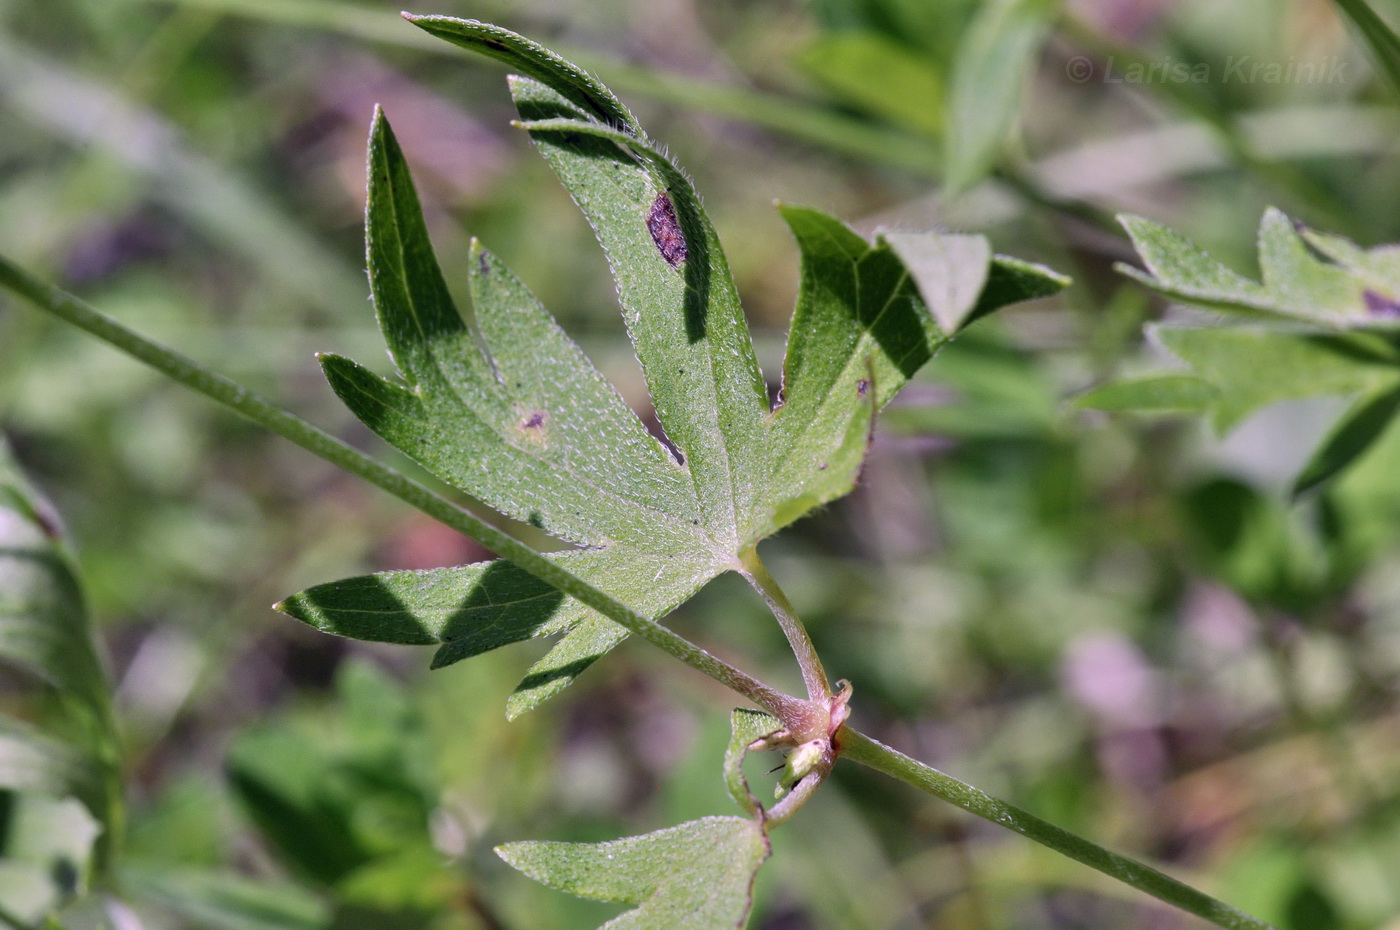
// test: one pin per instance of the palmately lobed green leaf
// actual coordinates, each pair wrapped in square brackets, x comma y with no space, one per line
[696,876]
[1307,276]
[1341,303]
[510,411]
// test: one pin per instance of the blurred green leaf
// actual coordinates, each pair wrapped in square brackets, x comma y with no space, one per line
[31,760]
[211,197]
[1251,543]
[1350,438]
[697,876]
[985,388]
[417,882]
[1307,276]
[1254,367]
[994,60]
[1384,43]
[782,113]
[1167,393]
[880,76]
[222,901]
[45,632]
[333,796]
[1349,296]
[45,864]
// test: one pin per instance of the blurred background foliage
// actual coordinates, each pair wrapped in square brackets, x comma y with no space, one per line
[1121,624]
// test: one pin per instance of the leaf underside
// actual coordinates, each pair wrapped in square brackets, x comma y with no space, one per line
[510,411]
[1321,321]
[696,876]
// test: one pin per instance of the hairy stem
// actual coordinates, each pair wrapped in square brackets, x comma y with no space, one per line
[860,748]
[813,674]
[287,425]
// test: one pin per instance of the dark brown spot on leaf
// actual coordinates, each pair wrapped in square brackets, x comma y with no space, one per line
[482,265]
[665,230]
[534,421]
[862,386]
[1378,304]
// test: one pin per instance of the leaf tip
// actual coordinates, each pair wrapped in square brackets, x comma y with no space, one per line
[1273,214]
[509,853]
[520,703]
[1135,226]
[1134,272]
[331,361]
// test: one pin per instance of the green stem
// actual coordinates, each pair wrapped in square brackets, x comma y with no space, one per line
[263,412]
[813,674]
[860,748]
